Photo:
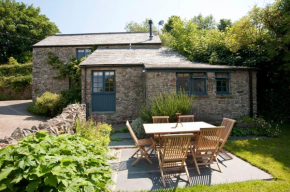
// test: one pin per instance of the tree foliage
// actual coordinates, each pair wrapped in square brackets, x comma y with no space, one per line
[139,27]
[260,39]
[223,24]
[206,22]
[21,26]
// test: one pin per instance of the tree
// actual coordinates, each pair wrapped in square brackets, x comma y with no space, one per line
[139,27]
[223,24]
[21,26]
[207,22]
[168,26]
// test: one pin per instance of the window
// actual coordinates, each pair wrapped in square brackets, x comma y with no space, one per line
[103,81]
[83,53]
[192,83]
[222,83]
[199,83]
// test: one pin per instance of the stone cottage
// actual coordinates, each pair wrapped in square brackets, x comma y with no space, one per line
[129,68]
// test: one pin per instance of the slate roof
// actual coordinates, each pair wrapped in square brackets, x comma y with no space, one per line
[122,38]
[162,58]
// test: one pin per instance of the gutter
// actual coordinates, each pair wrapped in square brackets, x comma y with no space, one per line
[84,45]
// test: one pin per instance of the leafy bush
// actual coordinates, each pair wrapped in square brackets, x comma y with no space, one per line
[12,61]
[48,104]
[54,163]
[15,70]
[166,104]
[95,132]
[137,126]
[255,126]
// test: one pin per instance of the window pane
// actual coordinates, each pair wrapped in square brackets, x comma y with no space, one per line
[81,51]
[183,82]
[100,74]
[198,74]
[199,86]
[88,51]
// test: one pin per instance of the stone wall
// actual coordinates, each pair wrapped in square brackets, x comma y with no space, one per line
[157,82]
[63,123]
[130,93]
[43,74]
[210,107]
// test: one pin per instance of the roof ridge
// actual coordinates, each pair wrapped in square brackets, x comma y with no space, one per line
[103,33]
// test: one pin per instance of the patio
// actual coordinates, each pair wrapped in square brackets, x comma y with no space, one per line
[144,176]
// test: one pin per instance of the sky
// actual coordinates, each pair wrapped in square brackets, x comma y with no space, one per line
[94,16]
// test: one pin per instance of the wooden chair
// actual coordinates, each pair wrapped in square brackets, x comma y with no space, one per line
[141,146]
[174,154]
[228,124]
[207,147]
[186,118]
[160,119]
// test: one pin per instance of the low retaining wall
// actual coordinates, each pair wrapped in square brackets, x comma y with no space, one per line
[63,123]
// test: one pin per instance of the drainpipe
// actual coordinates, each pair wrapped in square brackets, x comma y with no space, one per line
[251,93]
[85,95]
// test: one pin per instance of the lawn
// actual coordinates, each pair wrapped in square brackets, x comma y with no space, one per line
[269,154]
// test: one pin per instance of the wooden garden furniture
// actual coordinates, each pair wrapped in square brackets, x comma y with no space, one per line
[228,124]
[187,127]
[141,143]
[186,118]
[159,119]
[173,154]
[206,148]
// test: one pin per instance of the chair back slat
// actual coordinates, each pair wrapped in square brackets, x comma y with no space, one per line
[228,124]
[186,118]
[176,146]
[132,132]
[209,139]
[160,119]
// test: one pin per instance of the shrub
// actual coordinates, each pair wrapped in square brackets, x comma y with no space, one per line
[255,126]
[137,126]
[94,131]
[15,70]
[18,83]
[48,104]
[12,61]
[54,163]
[166,104]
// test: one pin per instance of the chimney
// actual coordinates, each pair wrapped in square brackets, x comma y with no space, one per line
[150,26]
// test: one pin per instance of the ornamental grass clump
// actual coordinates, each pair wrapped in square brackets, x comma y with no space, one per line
[166,104]
[99,132]
[44,162]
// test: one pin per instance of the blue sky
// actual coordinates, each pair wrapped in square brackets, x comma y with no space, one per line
[89,16]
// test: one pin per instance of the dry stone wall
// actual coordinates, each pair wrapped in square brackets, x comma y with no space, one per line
[62,123]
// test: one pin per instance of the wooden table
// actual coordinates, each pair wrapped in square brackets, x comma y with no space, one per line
[187,127]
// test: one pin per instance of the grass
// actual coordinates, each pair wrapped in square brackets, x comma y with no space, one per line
[269,154]
[117,139]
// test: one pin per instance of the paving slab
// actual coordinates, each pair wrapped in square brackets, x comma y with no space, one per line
[144,176]
[121,144]
[121,135]
[14,114]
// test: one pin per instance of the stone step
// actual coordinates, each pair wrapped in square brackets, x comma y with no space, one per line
[126,136]
[121,144]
